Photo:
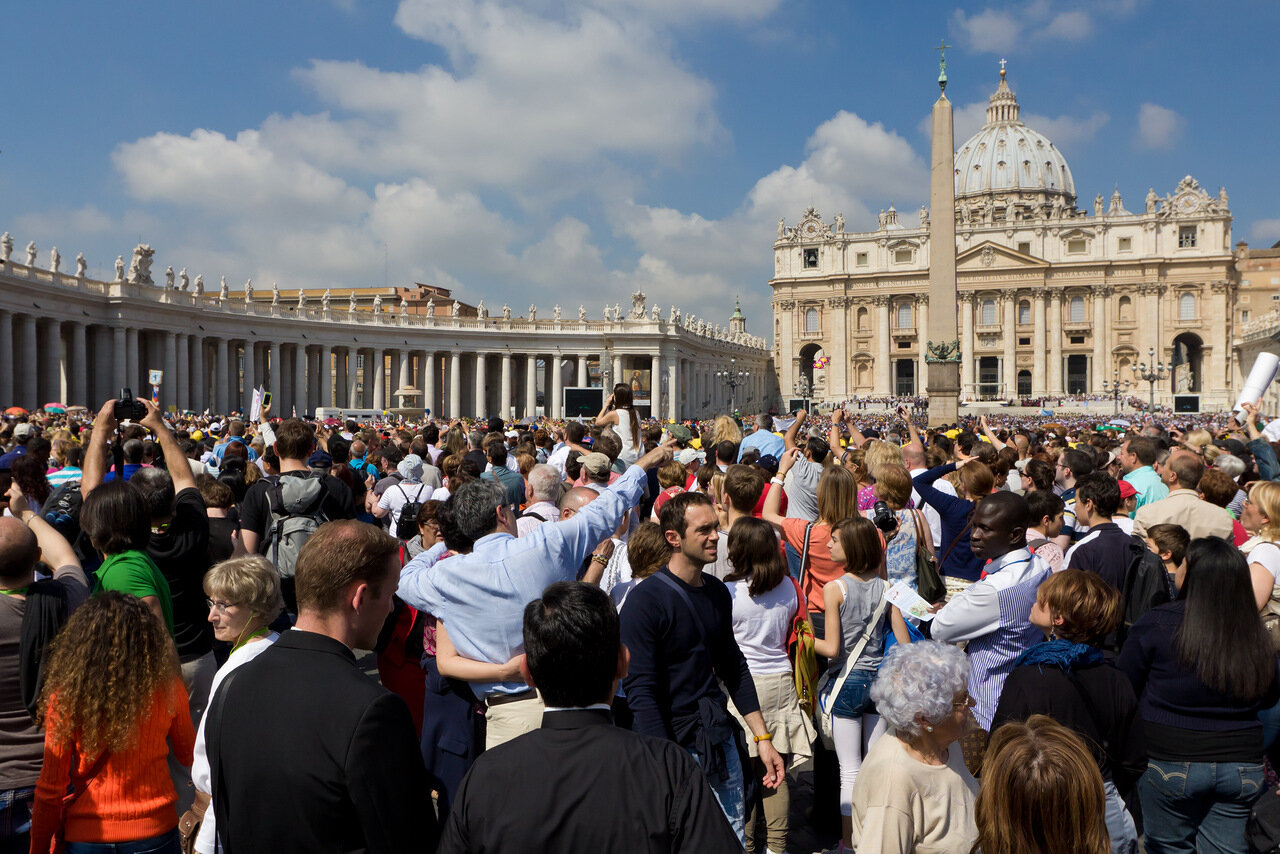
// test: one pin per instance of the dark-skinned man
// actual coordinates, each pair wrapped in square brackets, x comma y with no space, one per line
[992,614]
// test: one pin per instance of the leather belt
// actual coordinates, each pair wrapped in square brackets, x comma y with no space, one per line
[502,699]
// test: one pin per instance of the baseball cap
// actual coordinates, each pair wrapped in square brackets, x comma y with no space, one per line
[688,455]
[596,463]
[769,463]
[196,435]
[1126,490]
[23,431]
[680,433]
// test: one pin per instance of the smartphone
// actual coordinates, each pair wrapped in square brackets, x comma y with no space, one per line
[266,398]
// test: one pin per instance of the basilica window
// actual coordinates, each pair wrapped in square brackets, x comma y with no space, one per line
[1077,246]
[1126,308]
[902,256]
[1187,237]
[811,320]
[811,259]
[1077,310]
[904,315]
[1125,244]
[862,320]
[988,312]
[860,259]
[1187,307]
[1025,247]
[1024,313]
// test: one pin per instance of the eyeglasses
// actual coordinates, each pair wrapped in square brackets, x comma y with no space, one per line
[967,703]
[220,607]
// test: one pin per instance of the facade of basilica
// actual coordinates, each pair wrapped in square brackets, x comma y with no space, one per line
[1054,300]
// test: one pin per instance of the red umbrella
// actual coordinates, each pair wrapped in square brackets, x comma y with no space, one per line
[54,406]
[15,410]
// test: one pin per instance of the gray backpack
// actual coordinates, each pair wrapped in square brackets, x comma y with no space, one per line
[297,510]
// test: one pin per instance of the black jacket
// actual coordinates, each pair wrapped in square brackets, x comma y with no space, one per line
[580,784]
[308,754]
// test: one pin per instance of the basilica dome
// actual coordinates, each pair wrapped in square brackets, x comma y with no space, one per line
[1007,157]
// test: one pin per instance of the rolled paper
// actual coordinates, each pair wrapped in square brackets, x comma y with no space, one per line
[1260,376]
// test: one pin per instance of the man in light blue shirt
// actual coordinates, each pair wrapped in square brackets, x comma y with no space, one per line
[1137,457]
[478,598]
[763,439]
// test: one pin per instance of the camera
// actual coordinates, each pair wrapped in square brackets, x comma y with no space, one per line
[128,407]
[883,517]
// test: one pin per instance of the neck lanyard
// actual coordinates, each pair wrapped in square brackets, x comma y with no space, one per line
[14,591]
[259,633]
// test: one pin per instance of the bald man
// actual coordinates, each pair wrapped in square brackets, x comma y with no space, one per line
[25,540]
[607,552]
[993,613]
[1183,505]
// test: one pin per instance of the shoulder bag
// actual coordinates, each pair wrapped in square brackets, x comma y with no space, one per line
[804,661]
[929,583]
[827,699]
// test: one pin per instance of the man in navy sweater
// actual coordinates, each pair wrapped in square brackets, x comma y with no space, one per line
[678,627]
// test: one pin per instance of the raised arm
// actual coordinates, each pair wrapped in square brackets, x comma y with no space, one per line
[789,438]
[54,548]
[95,456]
[606,415]
[772,510]
[174,460]
[991,436]
[912,432]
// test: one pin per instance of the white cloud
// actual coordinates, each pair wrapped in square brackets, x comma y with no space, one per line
[1072,26]
[1158,127]
[1022,27]
[987,31]
[1265,232]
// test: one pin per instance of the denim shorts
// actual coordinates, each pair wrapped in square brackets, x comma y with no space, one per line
[854,699]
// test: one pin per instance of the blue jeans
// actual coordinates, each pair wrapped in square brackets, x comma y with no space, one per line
[854,699]
[1198,806]
[1120,827]
[15,820]
[165,843]
[731,793]
[793,560]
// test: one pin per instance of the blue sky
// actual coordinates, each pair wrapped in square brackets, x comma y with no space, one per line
[572,151]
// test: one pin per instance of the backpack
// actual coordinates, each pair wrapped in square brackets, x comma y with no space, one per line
[62,510]
[297,510]
[1146,585]
[407,521]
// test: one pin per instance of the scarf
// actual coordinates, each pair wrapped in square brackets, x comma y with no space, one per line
[1063,654]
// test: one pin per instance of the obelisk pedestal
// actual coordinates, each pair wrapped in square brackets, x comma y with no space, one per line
[943,354]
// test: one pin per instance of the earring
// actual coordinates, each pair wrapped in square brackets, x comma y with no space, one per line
[1053,634]
[929,729]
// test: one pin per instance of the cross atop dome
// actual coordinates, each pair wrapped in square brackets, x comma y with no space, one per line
[1002,62]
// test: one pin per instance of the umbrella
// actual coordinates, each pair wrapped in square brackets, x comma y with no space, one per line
[332,422]
[15,410]
[54,406]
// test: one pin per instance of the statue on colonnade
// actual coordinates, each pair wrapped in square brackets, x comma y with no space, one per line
[82,266]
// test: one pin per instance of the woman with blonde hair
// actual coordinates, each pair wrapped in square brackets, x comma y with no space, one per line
[1261,519]
[893,487]
[1041,793]
[1198,440]
[112,704]
[244,597]
[723,429]
[875,455]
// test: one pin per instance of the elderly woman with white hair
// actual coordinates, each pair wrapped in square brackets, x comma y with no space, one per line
[914,793]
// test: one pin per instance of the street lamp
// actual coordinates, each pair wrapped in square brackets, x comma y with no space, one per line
[1151,371]
[1114,388]
[802,389]
[733,378]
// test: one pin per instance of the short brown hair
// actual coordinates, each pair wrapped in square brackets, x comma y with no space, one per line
[1170,538]
[742,487]
[1217,487]
[672,473]
[338,555]
[647,550]
[837,495]
[215,493]
[861,543]
[753,550]
[893,485]
[1089,607]
[294,439]
[115,518]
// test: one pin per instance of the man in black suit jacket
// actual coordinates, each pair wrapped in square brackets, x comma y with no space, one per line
[309,754]
[580,784]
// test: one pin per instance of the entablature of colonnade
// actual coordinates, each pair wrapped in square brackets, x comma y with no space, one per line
[26,289]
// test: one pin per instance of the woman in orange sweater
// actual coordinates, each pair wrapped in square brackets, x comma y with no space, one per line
[112,695]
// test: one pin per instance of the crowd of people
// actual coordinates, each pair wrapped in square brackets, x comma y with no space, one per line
[1011,635]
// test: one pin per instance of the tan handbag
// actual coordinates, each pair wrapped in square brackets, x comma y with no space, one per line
[189,824]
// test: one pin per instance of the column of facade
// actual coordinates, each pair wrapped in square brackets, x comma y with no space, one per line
[482,382]
[1037,342]
[29,363]
[404,377]
[199,393]
[922,340]
[182,391]
[169,391]
[504,398]
[531,385]
[655,387]
[132,376]
[965,304]
[274,373]
[1101,332]
[248,369]
[6,360]
[325,375]
[356,379]
[427,366]
[556,409]
[617,369]
[884,372]
[78,386]
[379,380]
[1218,359]
[584,371]
[673,389]
[340,377]
[838,372]
[120,376]
[1055,343]
[1010,336]
[220,399]
[57,389]
[455,384]
[299,380]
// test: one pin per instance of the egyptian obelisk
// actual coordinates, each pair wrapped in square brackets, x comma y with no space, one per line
[943,356]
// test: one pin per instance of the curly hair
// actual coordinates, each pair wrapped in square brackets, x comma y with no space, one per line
[97,700]
[919,678]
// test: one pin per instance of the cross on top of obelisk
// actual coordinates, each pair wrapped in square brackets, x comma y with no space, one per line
[942,64]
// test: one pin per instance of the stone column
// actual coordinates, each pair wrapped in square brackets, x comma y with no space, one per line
[584,372]
[884,371]
[655,387]
[1010,336]
[169,391]
[199,389]
[275,380]
[58,365]
[1219,319]
[617,370]
[133,374]
[29,364]
[1037,342]
[379,380]
[504,399]
[78,375]
[455,384]
[1055,343]
[340,377]
[556,408]
[967,361]
[531,385]
[1101,331]
[429,382]
[356,379]
[183,387]
[120,376]
[221,378]
[6,360]
[673,389]
[482,385]
[838,374]
[405,376]
[300,379]
[249,370]
[922,335]
[325,374]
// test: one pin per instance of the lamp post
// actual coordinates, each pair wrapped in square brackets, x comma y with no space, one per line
[733,378]
[801,388]
[1151,371]
[1114,388]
